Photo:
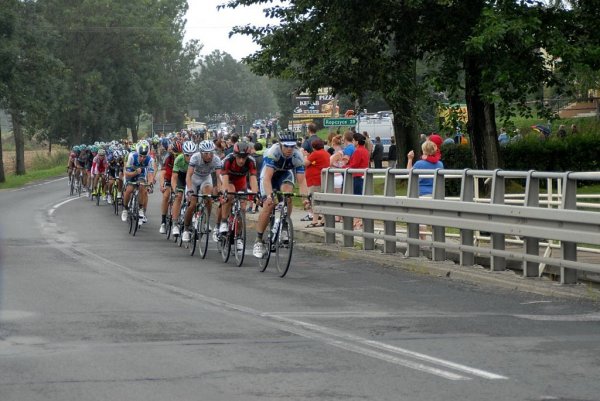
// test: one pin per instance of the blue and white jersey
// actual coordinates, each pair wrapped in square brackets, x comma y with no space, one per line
[274,158]
[134,162]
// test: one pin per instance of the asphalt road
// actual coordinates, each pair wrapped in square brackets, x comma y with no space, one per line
[89,312]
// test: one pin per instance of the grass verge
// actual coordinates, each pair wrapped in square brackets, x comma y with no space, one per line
[43,167]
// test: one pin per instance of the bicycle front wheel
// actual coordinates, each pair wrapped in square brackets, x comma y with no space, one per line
[72,185]
[194,238]
[204,233]
[264,261]
[225,240]
[284,246]
[239,242]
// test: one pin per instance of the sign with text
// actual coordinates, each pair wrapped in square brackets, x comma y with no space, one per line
[339,122]
[319,107]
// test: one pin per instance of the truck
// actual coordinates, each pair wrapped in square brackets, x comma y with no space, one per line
[378,124]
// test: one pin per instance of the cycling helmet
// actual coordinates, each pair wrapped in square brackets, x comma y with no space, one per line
[241,149]
[207,146]
[155,139]
[101,152]
[143,148]
[177,147]
[94,149]
[287,138]
[189,147]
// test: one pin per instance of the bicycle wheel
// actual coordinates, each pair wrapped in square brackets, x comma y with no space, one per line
[72,185]
[264,261]
[169,221]
[79,187]
[284,246]
[114,199]
[194,237]
[225,240]
[98,191]
[135,215]
[203,233]
[130,218]
[239,229]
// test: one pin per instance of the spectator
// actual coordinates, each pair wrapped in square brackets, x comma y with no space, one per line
[311,136]
[359,159]
[348,145]
[392,153]
[337,161]
[437,140]
[368,143]
[233,139]
[315,162]
[377,153]
[429,149]
[574,129]
[503,138]
[448,140]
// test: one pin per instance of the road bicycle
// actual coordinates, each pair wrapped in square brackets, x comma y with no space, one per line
[169,218]
[236,230]
[75,185]
[201,226]
[117,200]
[280,239]
[133,207]
[99,190]
[181,221]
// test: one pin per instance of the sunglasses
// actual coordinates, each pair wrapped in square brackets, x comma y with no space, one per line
[289,146]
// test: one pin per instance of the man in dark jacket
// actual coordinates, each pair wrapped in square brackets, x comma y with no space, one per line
[312,135]
[392,153]
[378,153]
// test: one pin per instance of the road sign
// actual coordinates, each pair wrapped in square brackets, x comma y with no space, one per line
[339,122]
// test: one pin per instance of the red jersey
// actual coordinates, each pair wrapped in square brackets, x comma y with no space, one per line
[168,167]
[237,174]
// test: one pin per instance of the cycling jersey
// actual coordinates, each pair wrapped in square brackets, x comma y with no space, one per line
[133,163]
[275,159]
[167,167]
[237,174]
[203,169]
[180,167]
[82,158]
[99,165]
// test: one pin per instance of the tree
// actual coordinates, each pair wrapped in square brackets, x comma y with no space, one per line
[329,44]
[33,77]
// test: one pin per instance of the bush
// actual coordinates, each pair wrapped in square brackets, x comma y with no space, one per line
[44,162]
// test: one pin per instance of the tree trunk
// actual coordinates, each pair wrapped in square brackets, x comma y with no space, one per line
[404,113]
[481,126]
[19,143]
[2,176]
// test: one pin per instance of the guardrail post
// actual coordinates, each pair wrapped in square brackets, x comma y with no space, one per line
[348,222]
[531,246]
[569,249]
[467,194]
[368,224]
[412,229]
[329,188]
[497,263]
[389,227]
[438,232]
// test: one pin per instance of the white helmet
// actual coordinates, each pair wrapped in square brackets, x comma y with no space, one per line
[207,146]
[189,148]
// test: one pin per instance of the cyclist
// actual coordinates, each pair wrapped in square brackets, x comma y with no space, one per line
[199,181]
[99,167]
[236,167]
[139,168]
[93,151]
[71,163]
[282,163]
[115,174]
[165,182]
[180,167]
[82,156]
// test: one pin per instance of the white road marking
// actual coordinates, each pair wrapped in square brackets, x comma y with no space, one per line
[326,335]
[535,302]
[587,317]
[53,208]
[37,185]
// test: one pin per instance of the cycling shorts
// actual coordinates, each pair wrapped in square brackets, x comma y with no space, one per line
[199,183]
[279,178]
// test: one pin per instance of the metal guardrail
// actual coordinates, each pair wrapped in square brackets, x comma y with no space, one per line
[534,217]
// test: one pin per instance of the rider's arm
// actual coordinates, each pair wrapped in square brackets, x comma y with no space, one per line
[268,177]
[188,179]
[253,184]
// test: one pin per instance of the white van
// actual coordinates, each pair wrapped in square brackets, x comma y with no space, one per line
[379,124]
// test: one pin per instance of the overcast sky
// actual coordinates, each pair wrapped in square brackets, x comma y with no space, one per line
[212,27]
